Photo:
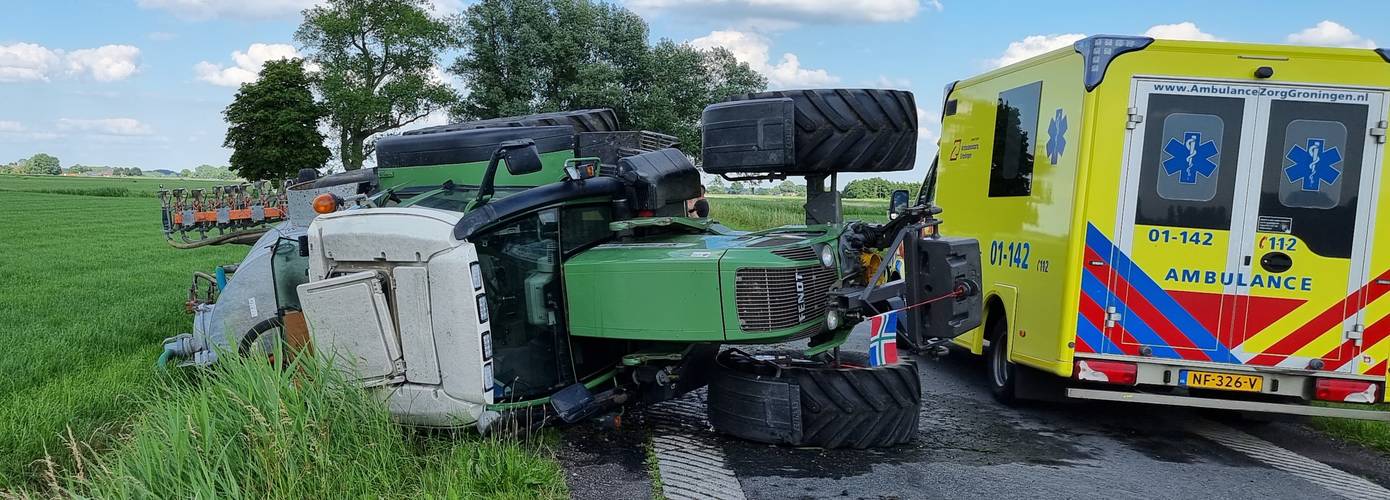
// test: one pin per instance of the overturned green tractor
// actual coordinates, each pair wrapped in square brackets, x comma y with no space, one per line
[484,297]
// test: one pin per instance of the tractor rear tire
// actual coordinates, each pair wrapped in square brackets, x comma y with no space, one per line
[851,130]
[583,120]
[806,403]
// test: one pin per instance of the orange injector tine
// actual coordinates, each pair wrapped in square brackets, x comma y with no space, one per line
[202,216]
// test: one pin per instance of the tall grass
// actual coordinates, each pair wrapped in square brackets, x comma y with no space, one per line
[248,429]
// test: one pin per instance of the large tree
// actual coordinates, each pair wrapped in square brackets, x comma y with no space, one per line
[377,61]
[273,124]
[531,56]
[41,164]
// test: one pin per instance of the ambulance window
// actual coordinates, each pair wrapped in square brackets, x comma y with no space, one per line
[1015,138]
[1312,173]
[1191,151]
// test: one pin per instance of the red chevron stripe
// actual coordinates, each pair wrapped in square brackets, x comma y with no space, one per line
[1138,304]
[1096,316]
[1325,321]
[1377,370]
[1338,358]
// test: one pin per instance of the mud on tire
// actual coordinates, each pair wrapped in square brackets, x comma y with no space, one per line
[805,403]
[583,120]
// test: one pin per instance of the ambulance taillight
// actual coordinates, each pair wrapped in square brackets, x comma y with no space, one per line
[1346,391]
[1110,372]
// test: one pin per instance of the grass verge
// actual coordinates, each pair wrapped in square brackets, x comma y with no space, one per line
[753,213]
[1366,433]
[247,429]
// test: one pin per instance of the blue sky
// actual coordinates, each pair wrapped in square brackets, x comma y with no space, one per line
[143,82]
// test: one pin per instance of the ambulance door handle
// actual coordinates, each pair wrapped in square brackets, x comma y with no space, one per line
[1247,260]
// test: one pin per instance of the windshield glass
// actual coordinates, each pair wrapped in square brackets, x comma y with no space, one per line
[455,200]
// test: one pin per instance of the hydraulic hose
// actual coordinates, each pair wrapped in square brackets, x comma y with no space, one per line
[254,334]
[163,362]
[541,401]
[250,237]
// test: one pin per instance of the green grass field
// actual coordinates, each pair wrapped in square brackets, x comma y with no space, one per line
[89,289]
[118,187]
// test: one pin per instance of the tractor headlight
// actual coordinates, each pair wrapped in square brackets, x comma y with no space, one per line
[832,320]
[827,256]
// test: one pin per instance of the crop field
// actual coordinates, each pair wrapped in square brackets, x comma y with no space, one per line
[118,187]
[760,212]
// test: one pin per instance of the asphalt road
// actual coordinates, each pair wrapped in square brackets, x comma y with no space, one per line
[969,446]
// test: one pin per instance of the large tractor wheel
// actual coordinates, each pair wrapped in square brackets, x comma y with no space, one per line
[584,120]
[798,402]
[834,130]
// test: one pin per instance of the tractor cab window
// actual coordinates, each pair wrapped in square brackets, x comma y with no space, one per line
[521,268]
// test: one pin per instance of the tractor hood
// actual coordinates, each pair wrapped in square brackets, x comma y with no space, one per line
[731,288]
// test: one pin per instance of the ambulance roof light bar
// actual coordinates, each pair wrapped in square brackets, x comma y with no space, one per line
[1097,52]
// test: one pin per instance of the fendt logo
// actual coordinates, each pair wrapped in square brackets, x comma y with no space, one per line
[1313,165]
[1190,157]
[800,299]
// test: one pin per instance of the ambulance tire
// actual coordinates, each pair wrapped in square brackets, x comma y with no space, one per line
[813,404]
[847,130]
[583,120]
[1003,374]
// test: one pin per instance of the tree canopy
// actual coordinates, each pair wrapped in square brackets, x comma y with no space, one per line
[273,124]
[878,188]
[376,62]
[534,56]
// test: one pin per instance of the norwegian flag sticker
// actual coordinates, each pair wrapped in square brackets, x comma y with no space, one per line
[883,339]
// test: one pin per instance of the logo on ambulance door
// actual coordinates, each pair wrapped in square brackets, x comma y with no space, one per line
[1312,175]
[1193,155]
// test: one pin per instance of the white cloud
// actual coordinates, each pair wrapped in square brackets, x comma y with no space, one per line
[107,63]
[887,82]
[792,11]
[1034,45]
[105,126]
[1330,34]
[11,126]
[246,65]
[754,49]
[925,133]
[28,62]
[200,10]
[1186,30]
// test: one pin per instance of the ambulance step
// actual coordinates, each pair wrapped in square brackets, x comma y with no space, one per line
[1225,404]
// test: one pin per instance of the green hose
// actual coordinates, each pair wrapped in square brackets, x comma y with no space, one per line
[538,402]
[163,361]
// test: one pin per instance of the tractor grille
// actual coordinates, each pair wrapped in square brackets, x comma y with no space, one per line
[798,253]
[776,298]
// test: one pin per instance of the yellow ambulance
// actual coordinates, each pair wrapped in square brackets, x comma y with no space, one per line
[1181,223]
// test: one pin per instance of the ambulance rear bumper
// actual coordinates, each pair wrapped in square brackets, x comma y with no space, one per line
[1225,404]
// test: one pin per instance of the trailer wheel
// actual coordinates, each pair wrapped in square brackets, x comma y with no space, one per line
[583,120]
[801,402]
[837,130]
[1003,375]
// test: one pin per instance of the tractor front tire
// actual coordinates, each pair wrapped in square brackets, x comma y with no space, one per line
[805,403]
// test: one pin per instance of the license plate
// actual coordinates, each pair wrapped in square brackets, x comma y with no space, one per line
[1221,381]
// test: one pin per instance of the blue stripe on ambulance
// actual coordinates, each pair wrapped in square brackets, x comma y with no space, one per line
[1093,336]
[1151,291]
[1093,288]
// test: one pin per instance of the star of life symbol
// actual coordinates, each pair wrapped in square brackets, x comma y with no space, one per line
[1056,137]
[1313,165]
[1190,157]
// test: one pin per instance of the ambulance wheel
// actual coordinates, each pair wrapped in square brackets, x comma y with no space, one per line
[1003,375]
[794,401]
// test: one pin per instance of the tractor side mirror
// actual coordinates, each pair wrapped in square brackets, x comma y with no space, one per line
[523,160]
[897,202]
